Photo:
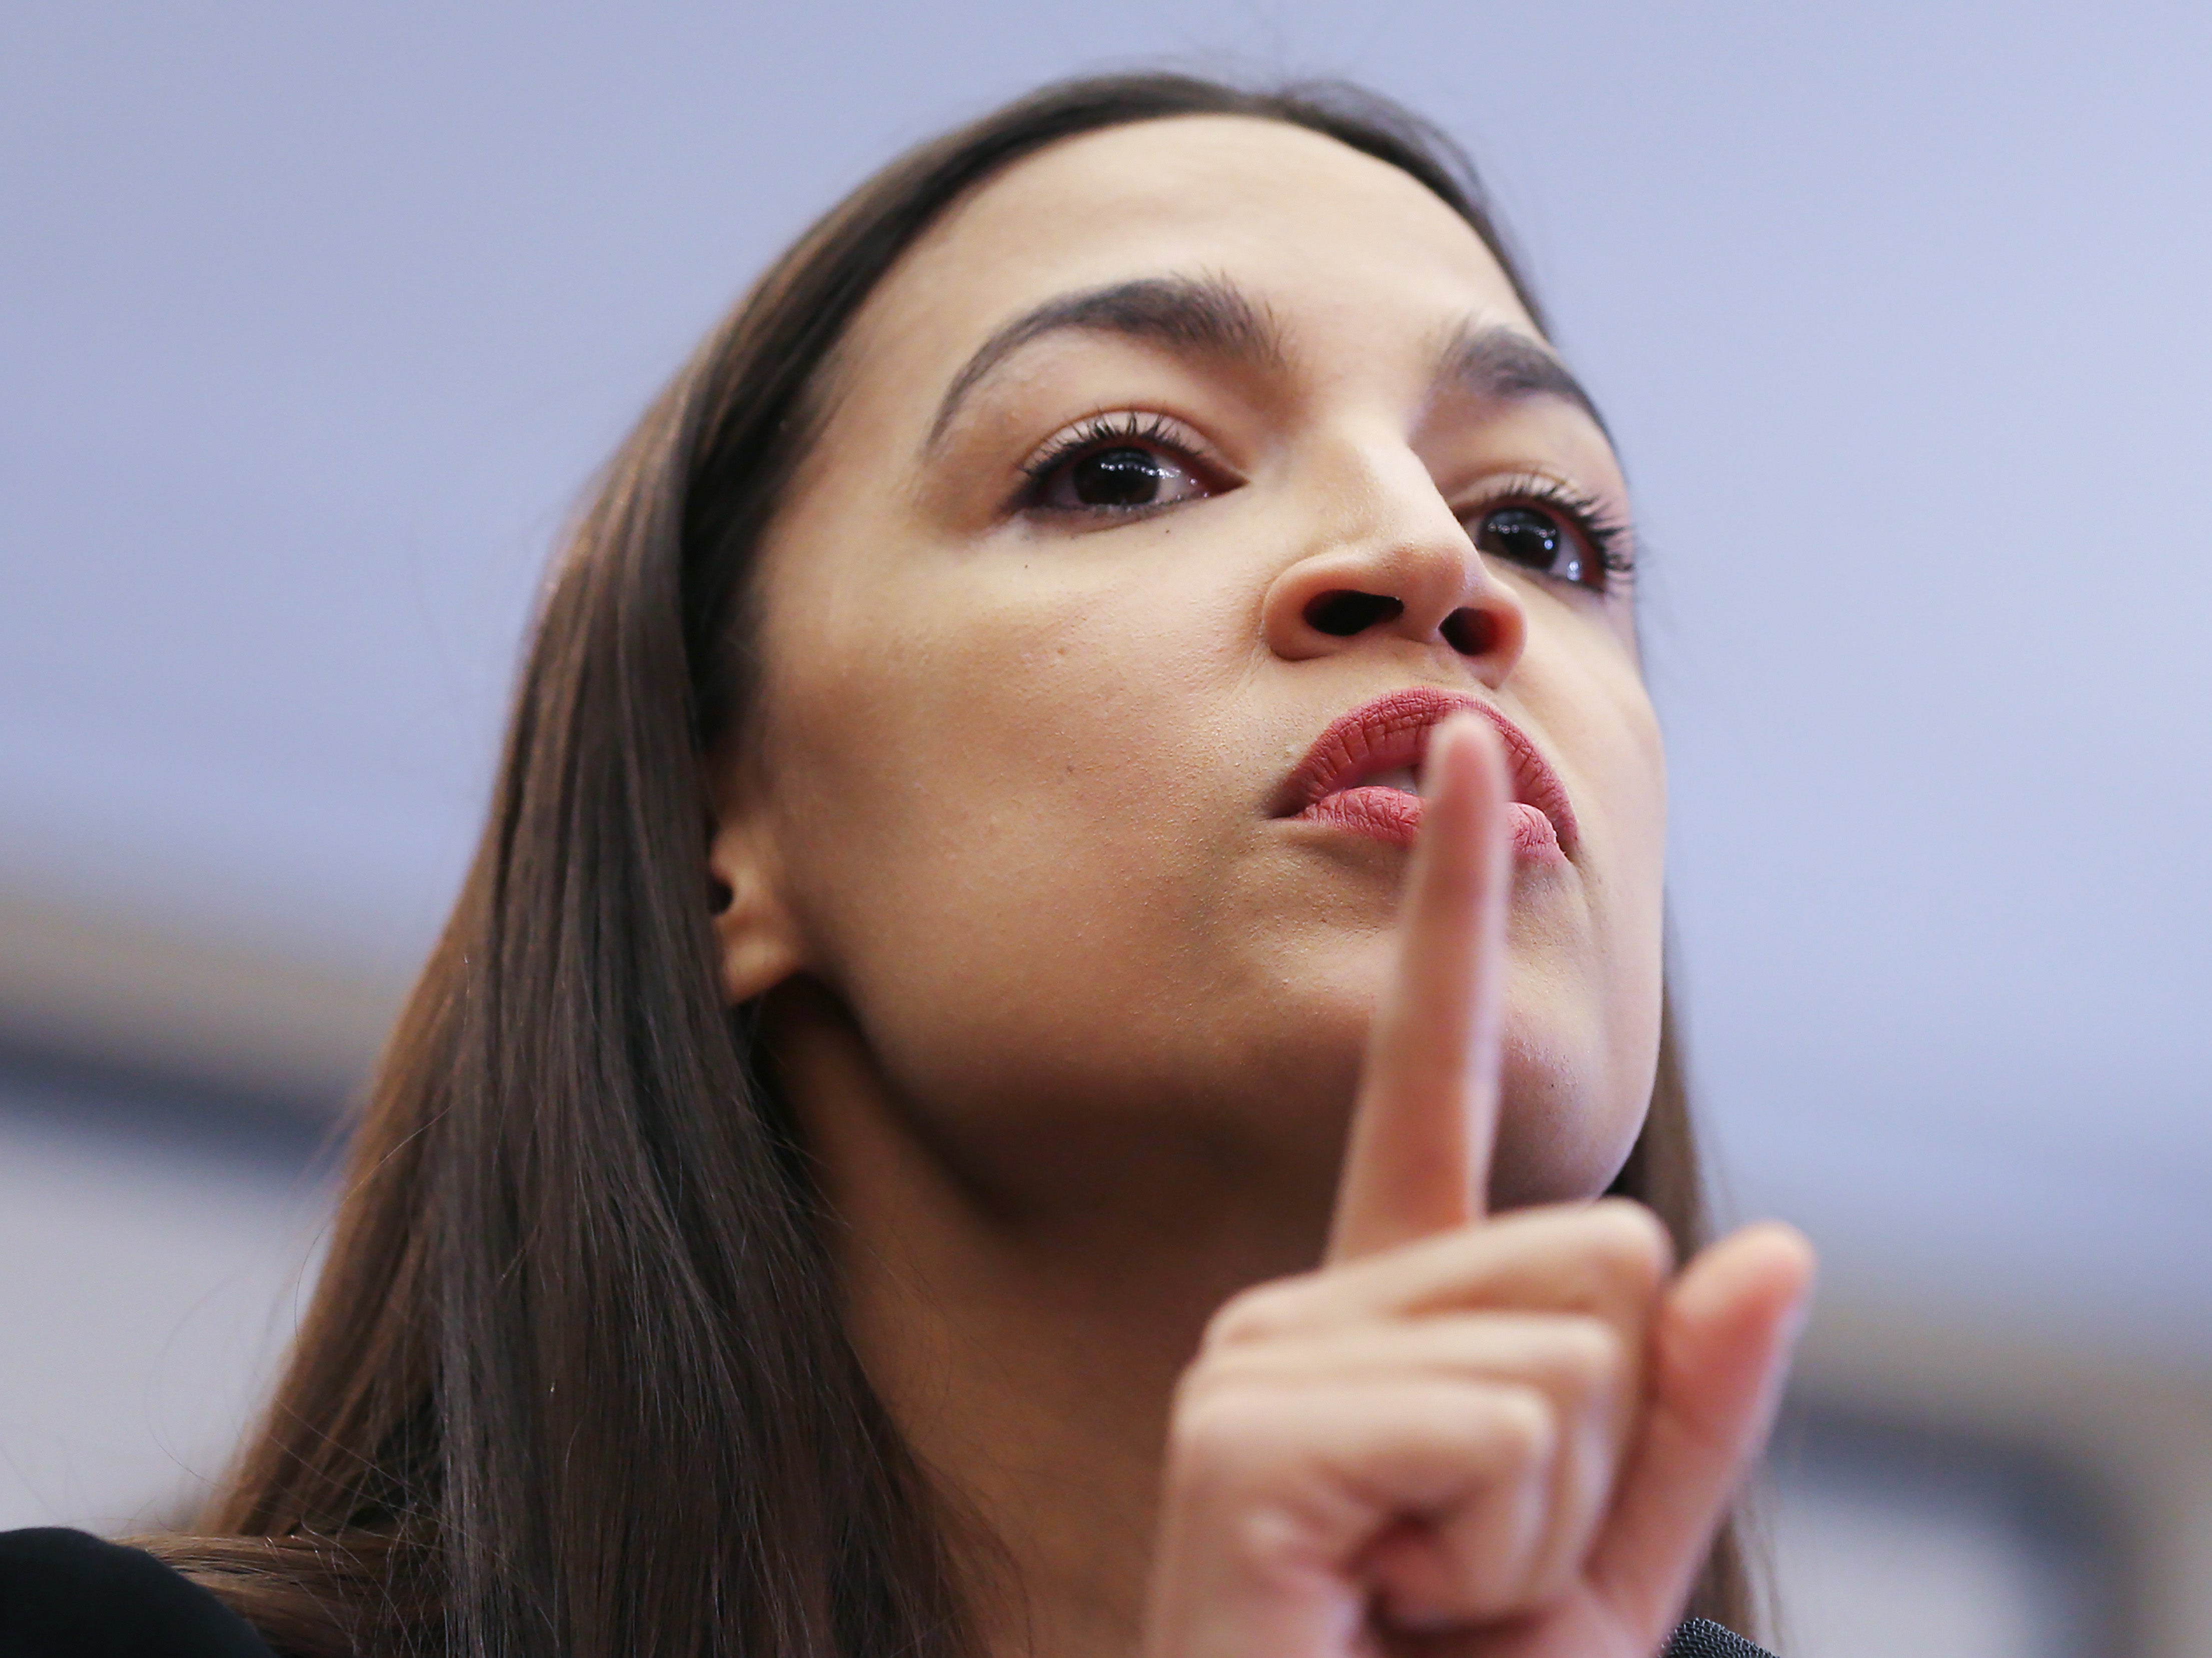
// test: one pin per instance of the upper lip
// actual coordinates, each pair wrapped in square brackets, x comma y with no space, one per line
[1392,732]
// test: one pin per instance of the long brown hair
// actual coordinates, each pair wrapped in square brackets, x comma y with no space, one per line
[574,1380]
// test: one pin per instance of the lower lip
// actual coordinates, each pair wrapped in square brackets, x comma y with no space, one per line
[1392,815]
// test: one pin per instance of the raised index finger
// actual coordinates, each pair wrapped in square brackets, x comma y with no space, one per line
[1418,1157]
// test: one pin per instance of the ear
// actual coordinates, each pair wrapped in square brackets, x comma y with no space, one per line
[760,941]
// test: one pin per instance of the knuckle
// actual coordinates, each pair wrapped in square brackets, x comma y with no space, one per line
[1629,1248]
[1220,1436]
[1255,1314]
[1260,1535]
[1211,1411]
[1522,1428]
[1592,1355]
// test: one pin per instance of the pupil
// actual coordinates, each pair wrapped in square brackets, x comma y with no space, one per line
[1524,536]
[1117,478]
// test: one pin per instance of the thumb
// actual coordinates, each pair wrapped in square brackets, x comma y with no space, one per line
[1721,1350]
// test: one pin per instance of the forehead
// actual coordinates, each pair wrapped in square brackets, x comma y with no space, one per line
[1328,239]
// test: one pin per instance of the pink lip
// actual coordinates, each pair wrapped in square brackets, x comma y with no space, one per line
[1392,733]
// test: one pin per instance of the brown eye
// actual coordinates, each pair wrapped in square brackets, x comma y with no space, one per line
[1535,540]
[1118,476]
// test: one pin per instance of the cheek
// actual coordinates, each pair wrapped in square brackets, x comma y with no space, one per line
[1582,1020]
[1001,795]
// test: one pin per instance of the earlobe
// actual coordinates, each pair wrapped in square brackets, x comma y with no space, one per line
[758,940]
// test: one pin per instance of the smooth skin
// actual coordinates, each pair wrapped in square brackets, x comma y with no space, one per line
[1075,1023]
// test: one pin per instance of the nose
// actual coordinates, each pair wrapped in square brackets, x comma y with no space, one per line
[1389,559]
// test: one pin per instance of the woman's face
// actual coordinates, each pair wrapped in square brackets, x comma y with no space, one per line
[1168,450]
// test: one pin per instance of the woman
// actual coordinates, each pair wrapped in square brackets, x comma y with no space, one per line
[1075,887]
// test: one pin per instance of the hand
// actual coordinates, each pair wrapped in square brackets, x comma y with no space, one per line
[1512,1438]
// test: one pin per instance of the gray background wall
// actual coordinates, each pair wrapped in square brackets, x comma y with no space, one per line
[313,322]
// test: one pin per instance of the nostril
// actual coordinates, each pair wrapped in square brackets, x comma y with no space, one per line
[1344,613]
[1471,632]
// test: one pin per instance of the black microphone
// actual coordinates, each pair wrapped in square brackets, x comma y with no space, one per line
[1701,1638]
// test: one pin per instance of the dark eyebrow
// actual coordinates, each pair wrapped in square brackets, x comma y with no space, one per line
[1503,365]
[1203,314]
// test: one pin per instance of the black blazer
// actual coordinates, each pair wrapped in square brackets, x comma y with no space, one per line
[67,1594]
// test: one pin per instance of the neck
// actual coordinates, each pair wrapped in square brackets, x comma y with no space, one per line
[1028,1349]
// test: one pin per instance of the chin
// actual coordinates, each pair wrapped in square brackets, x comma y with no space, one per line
[1570,1112]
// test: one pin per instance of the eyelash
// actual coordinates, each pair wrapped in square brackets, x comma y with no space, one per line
[1610,538]
[1101,432]
[1607,534]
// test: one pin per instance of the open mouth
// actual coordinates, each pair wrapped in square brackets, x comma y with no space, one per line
[1364,773]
